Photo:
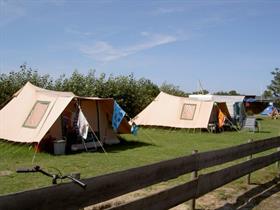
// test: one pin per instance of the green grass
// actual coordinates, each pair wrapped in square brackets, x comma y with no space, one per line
[149,146]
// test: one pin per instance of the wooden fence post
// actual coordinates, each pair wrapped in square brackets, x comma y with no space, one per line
[249,158]
[194,175]
[278,165]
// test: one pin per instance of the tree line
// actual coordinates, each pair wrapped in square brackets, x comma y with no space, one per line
[132,94]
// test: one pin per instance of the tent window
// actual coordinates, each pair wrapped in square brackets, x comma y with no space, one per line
[36,114]
[188,111]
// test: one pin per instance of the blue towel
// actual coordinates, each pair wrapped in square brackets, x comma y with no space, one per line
[134,129]
[117,117]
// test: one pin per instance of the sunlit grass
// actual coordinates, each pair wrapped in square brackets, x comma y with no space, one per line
[149,146]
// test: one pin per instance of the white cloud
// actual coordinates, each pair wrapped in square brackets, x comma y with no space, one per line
[164,10]
[104,52]
[10,11]
[74,31]
[145,33]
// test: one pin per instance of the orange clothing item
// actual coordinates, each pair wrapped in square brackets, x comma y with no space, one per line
[221,118]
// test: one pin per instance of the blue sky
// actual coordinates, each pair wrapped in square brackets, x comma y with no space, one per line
[224,44]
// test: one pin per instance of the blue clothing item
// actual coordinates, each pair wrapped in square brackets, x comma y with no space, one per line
[117,117]
[250,100]
[134,129]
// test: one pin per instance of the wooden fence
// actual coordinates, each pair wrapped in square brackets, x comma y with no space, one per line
[105,187]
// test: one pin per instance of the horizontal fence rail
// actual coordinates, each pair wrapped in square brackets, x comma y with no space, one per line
[202,185]
[105,187]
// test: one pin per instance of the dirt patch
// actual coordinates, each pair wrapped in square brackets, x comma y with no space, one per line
[271,203]
[5,173]
[258,197]
[126,198]
[250,197]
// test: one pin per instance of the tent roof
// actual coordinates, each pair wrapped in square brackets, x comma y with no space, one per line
[31,87]
[173,111]
[94,98]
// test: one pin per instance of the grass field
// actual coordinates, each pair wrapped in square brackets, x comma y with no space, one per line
[149,146]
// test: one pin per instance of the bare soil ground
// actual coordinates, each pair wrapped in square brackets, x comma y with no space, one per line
[264,196]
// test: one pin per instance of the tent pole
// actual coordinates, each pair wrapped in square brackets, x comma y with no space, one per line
[232,124]
[34,156]
[228,119]
[97,139]
[98,118]
[84,143]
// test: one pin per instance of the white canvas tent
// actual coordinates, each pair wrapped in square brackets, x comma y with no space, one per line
[180,112]
[229,100]
[35,113]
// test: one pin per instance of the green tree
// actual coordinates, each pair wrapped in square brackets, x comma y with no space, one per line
[203,92]
[13,81]
[76,83]
[267,94]
[231,93]
[220,93]
[147,91]
[274,87]
[172,89]
[132,94]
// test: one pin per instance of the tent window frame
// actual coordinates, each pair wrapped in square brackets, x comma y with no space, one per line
[184,107]
[31,111]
